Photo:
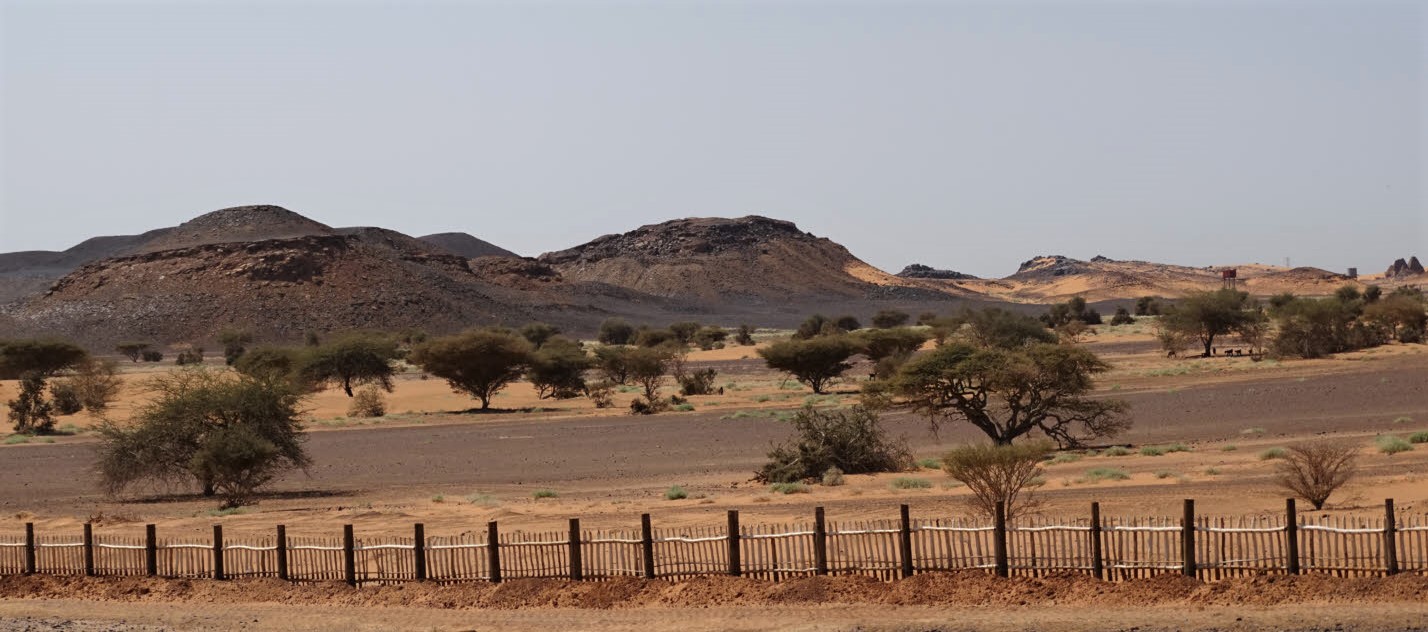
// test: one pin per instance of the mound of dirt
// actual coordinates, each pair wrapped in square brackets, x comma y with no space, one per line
[930,589]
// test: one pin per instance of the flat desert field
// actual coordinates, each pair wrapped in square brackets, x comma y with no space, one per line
[1204,429]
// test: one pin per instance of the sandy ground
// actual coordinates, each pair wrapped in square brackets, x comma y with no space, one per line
[931,601]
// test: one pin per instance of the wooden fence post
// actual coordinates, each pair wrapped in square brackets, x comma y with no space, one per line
[999,539]
[1390,538]
[493,552]
[820,542]
[218,552]
[151,550]
[1187,539]
[349,555]
[577,566]
[1291,537]
[88,550]
[282,551]
[904,541]
[29,548]
[647,545]
[419,551]
[1098,566]
[735,565]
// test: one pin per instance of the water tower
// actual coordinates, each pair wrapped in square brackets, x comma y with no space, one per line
[1230,278]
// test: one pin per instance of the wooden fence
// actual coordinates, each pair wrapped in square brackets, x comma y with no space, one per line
[1106,547]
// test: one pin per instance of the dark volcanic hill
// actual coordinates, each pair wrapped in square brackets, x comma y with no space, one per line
[749,259]
[466,245]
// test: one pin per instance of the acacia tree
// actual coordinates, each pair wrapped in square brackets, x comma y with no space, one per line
[557,368]
[1008,393]
[231,434]
[132,350]
[479,362]
[647,367]
[349,361]
[1208,315]
[41,357]
[814,362]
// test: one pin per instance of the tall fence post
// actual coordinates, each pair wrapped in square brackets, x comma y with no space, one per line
[735,565]
[1187,539]
[1098,565]
[29,548]
[349,555]
[88,550]
[820,542]
[1390,538]
[904,540]
[999,539]
[218,552]
[419,551]
[647,546]
[1291,537]
[282,550]
[493,552]
[577,566]
[151,550]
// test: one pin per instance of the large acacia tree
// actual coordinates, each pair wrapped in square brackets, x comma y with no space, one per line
[479,362]
[1208,315]
[1008,393]
[815,362]
[351,360]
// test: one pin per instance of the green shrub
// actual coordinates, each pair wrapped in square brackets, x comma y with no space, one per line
[833,477]
[685,407]
[789,488]
[675,492]
[1272,453]
[911,483]
[368,402]
[1252,431]
[1116,450]
[1164,474]
[1177,447]
[1418,437]
[1152,450]
[17,439]
[998,475]
[1389,444]
[1106,474]
[438,498]
[1229,448]
[66,397]
[1065,457]
[544,493]
[853,440]
[1212,471]
[930,464]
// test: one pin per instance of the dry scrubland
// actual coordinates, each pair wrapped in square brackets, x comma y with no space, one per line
[1205,429]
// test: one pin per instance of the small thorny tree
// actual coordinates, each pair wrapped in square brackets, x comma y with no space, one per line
[1007,393]
[1314,471]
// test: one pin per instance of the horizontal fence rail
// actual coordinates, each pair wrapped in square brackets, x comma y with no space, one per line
[1110,548]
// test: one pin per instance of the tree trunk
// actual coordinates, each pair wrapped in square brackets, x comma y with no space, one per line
[347,385]
[208,488]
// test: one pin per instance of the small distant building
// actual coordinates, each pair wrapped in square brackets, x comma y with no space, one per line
[1353,273]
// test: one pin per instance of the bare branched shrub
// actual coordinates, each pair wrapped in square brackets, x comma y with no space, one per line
[1313,471]
[999,473]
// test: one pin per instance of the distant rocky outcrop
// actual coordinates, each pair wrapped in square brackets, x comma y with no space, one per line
[1401,268]
[1051,266]
[919,271]
[466,245]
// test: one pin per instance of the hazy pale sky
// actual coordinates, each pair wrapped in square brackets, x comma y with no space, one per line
[963,135]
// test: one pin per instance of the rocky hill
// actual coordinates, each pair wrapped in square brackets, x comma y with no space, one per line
[466,245]
[717,260]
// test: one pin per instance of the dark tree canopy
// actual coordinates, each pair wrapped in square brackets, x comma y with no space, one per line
[538,333]
[132,350]
[814,362]
[616,331]
[479,362]
[229,434]
[1007,393]
[889,318]
[558,368]
[351,360]
[851,440]
[43,357]
[997,327]
[1208,315]
[647,367]
[272,363]
[879,344]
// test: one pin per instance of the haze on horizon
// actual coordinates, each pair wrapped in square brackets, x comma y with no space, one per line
[961,135]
